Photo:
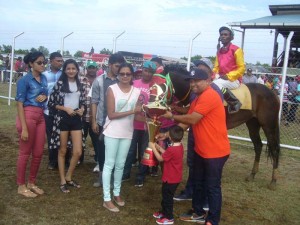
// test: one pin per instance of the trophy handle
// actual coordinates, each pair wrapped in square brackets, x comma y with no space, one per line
[143,108]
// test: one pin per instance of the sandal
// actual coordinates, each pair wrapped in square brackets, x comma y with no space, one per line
[64,188]
[119,201]
[35,189]
[72,183]
[27,193]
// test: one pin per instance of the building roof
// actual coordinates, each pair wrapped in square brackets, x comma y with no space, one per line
[291,22]
[285,18]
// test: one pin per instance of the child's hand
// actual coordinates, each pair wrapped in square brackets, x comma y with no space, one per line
[157,146]
[151,145]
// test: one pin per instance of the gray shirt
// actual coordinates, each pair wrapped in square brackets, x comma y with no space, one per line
[99,89]
[249,79]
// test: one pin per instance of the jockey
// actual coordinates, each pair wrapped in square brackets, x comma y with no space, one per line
[229,68]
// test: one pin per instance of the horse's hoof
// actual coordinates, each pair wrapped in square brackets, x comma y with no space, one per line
[250,178]
[272,186]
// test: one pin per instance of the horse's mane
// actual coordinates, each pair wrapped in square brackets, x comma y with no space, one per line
[175,68]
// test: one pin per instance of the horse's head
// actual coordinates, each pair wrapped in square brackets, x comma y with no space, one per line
[181,87]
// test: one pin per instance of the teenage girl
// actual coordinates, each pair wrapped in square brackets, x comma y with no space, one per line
[68,103]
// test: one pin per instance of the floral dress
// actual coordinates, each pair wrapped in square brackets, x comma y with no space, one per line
[57,98]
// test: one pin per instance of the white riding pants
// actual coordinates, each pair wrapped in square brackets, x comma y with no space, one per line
[227,84]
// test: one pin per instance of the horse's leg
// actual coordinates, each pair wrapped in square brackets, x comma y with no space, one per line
[254,127]
[273,148]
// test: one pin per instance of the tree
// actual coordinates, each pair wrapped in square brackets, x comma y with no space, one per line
[212,59]
[106,51]
[33,50]
[22,51]
[195,57]
[44,50]
[78,54]
[6,48]
[67,53]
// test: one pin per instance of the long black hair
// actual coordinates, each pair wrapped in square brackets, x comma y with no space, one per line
[31,57]
[64,78]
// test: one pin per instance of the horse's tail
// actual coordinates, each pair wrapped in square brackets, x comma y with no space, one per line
[273,145]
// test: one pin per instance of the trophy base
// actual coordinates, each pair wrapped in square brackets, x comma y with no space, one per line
[149,158]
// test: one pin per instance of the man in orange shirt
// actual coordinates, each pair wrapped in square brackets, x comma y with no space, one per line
[208,120]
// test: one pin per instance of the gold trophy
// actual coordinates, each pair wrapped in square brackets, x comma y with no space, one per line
[153,111]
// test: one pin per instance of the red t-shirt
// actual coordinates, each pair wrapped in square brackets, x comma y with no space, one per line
[210,132]
[173,164]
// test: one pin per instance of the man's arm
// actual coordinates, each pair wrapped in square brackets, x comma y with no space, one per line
[94,104]
[240,66]
[188,119]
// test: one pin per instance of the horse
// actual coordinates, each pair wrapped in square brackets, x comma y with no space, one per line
[264,114]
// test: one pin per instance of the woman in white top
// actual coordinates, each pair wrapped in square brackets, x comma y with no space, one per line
[118,129]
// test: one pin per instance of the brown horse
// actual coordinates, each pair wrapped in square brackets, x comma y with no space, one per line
[264,114]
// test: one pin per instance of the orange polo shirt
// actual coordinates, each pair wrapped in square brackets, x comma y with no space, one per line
[210,132]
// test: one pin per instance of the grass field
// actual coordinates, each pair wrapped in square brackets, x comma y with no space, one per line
[244,203]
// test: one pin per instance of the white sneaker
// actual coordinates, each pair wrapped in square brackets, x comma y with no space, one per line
[96,169]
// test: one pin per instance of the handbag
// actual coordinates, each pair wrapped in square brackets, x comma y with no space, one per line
[101,136]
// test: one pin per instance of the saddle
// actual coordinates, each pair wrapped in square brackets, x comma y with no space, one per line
[243,95]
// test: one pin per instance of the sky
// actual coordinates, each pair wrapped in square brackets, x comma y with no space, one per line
[160,27]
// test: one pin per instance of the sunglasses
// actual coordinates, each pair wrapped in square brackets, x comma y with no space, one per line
[41,62]
[125,74]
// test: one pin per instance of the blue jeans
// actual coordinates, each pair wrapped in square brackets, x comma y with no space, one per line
[207,176]
[53,153]
[139,141]
[190,162]
[116,150]
[87,130]
[100,151]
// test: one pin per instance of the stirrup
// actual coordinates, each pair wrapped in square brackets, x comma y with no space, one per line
[235,108]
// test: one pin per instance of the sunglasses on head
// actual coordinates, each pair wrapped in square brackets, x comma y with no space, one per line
[125,74]
[41,62]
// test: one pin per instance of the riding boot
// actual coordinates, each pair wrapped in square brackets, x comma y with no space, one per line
[233,103]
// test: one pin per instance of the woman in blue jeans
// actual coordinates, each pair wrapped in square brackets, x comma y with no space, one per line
[118,129]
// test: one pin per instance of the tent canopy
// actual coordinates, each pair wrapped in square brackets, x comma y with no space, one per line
[285,18]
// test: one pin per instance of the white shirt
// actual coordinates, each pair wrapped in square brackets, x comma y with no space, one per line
[122,127]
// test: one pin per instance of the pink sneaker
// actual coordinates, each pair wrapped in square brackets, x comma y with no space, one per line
[158,215]
[164,221]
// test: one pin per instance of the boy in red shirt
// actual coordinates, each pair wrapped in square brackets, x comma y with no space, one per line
[172,173]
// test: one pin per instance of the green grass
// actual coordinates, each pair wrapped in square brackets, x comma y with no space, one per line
[246,203]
